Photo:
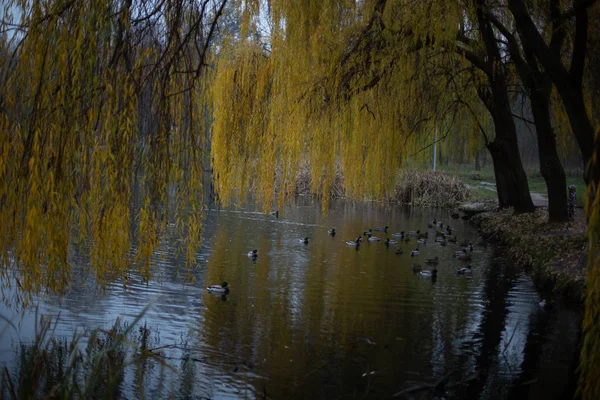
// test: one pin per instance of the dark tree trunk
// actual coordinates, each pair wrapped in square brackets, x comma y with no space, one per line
[501,174]
[568,82]
[539,87]
[511,180]
[550,165]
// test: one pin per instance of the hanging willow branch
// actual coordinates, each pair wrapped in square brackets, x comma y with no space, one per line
[93,117]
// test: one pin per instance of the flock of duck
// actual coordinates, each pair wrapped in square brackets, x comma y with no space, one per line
[443,236]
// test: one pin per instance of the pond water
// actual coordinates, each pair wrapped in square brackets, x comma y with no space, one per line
[325,320]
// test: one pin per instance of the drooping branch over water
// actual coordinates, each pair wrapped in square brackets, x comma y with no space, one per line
[97,99]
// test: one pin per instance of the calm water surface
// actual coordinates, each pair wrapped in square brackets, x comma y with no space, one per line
[324,320]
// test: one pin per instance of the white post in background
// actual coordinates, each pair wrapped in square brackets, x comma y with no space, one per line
[435,149]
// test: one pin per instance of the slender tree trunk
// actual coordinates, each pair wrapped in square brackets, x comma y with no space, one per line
[568,83]
[511,180]
[539,87]
[550,165]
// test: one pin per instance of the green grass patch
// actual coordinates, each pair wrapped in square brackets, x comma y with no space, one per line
[537,184]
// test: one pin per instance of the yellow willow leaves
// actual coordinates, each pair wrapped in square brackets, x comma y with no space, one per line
[343,88]
[102,141]
[589,384]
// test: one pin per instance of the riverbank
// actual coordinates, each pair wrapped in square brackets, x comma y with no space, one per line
[554,253]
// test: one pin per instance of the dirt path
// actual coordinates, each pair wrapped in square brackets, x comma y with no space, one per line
[539,199]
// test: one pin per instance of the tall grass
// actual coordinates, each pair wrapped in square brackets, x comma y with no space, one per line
[66,369]
[416,187]
[428,188]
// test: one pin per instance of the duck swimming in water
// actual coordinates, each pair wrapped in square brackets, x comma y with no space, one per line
[414,253]
[331,232]
[464,271]
[253,253]
[429,274]
[355,243]
[223,288]
[304,241]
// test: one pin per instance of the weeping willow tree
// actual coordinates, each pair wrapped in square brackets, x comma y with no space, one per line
[357,89]
[590,354]
[97,99]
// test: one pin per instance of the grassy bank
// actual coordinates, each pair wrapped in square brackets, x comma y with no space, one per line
[470,176]
[554,253]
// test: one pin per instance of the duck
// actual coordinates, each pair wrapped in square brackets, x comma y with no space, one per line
[253,253]
[378,229]
[399,251]
[448,230]
[368,233]
[305,240]
[223,288]
[398,234]
[417,267]
[422,241]
[413,233]
[423,235]
[433,261]
[434,222]
[464,271]
[354,243]
[459,253]
[389,241]
[439,234]
[406,239]
[374,239]
[415,252]
[430,225]
[275,213]
[331,232]
[470,246]
[428,274]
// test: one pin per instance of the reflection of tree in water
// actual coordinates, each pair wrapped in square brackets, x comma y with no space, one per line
[497,285]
